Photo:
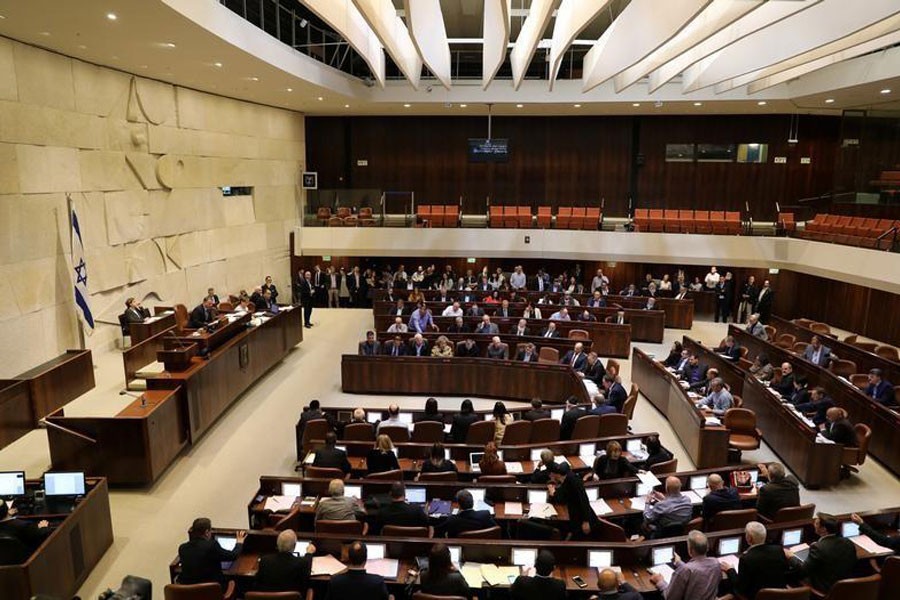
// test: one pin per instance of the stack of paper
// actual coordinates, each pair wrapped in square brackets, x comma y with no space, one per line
[715,421]
[694,496]
[664,570]
[386,567]
[471,572]
[495,575]
[279,503]
[648,478]
[327,565]
[638,503]
[309,458]
[869,545]
[600,507]
[821,439]
[731,560]
[513,508]
[542,511]
[513,468]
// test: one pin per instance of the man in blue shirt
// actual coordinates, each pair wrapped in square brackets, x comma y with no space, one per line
[719,399]
[421,321]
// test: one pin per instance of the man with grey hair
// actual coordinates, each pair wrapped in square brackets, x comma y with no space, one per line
[285,571]
[760,566]
[497,349]
[719,399]
[542,470]
[781,491]
[337,507]
[697,579]
[754,327]
[666,512]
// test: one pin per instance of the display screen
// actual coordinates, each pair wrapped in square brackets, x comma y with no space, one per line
[64,484]
[488,150]
[729,545]
[12,484]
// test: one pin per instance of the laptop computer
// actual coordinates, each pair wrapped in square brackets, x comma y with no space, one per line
[697,482]
[474,459]
[12,484]
[849,529]
[663,555]
[300,547]
[353,491]
[537,497]
[416,496]
[729,545]
[405,418]
[791,537]
[373,417]
[524,557]
[228,543]
[600,559]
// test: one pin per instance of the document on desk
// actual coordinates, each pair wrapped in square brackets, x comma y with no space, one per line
[664,570]
[693,496]
[310,458]
[638,503]
[327,565]
[821,439]
[542,510]
[648,478]
[471,572]
[386,567]
[513,467]
[731,560]
[513,508]
[713,421]
[279,503]
[495,575]
[600,507]
[869,545]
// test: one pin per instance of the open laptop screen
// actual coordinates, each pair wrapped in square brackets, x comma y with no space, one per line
[64,484]
[663,555]
[12,483]
[524,557]
[729,545]
[415,495]
[791,537]
[600,559]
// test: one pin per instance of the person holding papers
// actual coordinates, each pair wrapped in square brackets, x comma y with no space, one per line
[566,487]
[355,583]
[441,578]
[664,514]
[331,457]
[542,585]
[467,519]
[612,465]
[697,579]
[838,428]
[818,406]
[337,506]
[284,571]
[202,314]
[202,557]
[760,566]
[134,313]
[719,399]
[879,538]
[830,559]
[719,498]
[729,349]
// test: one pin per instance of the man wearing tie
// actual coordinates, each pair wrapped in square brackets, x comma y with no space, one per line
[486,326]
[419,346]
[880,390]
[528,354]
[764,302]
[202,314]
[521,329]
[682,293]
[319,285]
[551,331]
[133,311]
[395,347]
[575,358]
[475,311]
[504,311]
[306,298]
[818,354]
[620,318]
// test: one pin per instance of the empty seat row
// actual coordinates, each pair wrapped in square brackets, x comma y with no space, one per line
[852,231]
[345,217]
[567,217]
[514,217]
[437,215]
[687,221]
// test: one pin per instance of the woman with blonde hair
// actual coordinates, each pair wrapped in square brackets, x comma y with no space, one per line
[382,457]
[442,348]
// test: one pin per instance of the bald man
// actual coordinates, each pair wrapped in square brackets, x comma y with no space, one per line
[284,571]
[665,512]
[719,498]
[838,428]
[612,586]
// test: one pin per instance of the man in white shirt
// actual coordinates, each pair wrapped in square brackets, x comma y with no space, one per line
[599,280]
[518,279]
[454,310]
[393,419]
[398,327]
[712,279]
[521,328]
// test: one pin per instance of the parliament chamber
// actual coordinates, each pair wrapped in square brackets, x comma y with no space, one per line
[424,300]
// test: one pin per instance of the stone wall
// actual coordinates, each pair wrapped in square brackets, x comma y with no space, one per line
[143,162]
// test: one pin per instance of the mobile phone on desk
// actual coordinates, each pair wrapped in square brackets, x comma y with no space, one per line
[581,583]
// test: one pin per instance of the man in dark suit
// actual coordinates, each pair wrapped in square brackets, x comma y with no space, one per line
[202,557]
[572,414]
[134,312]
[602,406]
[780,491]
[719,498]
[537,411]
[310,414]
[459,427]
[527,354]
[764,302]
[468,348]
[566,487]
[830,559]
[880,390]
[695,371]
[801,391]
[785,387]
[475,311]
[818,405]
[467,519]
[539,584]
[356,283]
[370,347]
[355,583]
[615,393]
[320,286]
[418,346]
[888,541]
[550,331]
[268,286]
[817,353]
[760,566]
[838,428]
[612,586]
[458,326]
[257,299]
[284,571]
[307,295]
[575,358]
[394,347]
[593,369]
[399,512]
[521,328]
[30,535]
[330,457]
[202,314]
[729,349]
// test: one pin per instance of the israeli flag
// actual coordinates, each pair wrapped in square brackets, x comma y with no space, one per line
[82,301]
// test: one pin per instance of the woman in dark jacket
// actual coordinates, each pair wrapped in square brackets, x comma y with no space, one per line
[381,458]
[611,465]
[674,355]
[460,427]
[441,578]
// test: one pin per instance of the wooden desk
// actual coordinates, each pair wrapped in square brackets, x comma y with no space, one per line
[63,562]
[150,327]
[482,340]
[707,446]
[208,341]
[143,353]
[884,444]
[16,414]
[729,371]
[484,377]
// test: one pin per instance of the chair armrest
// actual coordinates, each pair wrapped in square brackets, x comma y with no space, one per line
[310,594]
[430,531]
[876,568]
[365,529]
[814,593]
[229,591]
[764,520]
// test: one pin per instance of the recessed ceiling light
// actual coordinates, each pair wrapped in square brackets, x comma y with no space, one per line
[886,91]
[635,104]
[290,89]
[320,98]
[2,17]
[45,33]
[577,105]
[761,103]
[463,105]
[111,16]
[346,106]
[253,79]
[82,47]
[168,45]
[829,100]
[698,104]
[519,105]
[217,64]
[406,105]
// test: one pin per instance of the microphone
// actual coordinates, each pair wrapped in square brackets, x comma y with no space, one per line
[141,396]
[171,334]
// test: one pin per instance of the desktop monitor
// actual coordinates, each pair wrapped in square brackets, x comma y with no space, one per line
[593,493]
[415,495]
[12,483]
[729,545]
[663,555]
[455,554]
[557,413]
[587,449]
[634,446]
[537,497]
[373,417]
[849,529]
[64,484]
[228,542]
[374,551]
[446,453]
[698,482]
[353,491]
[524,557]
[405,418]
[300,547]
[791,537]
[600,559]
[293,490]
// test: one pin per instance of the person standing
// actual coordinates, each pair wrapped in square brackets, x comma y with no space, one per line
[306,298]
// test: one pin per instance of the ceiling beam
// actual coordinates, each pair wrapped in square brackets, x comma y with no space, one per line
[532,30]
[790,37]
[393,35]
[571,19]
[429,35]
[495,32]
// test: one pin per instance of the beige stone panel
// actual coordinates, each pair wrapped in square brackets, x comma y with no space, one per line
[106,171]
[185,210]
[60,326]
[275,203]
[202,277]
[106,268]
[144,260]
[8,88]
[178,171]
[91,209]
[47,169]
[9,308]
[9,169]
[43,78]
[99,91]
[16,356]
[246,271]
[245,239]
[43,126]
[126,137]
[282,124]
[40,283]
[282,149]
[171,140]
[157,101]
[275,235]
[127,216]
[143,166]
[188,249]
[205,112]
[238,210]
[32,227]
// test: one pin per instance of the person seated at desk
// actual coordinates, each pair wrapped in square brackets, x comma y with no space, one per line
[719,498]
[817,353]
[311,413]
[398,326]
[504,312]
[566,487]
[457,326]
[134,312]
[336,506]
[551,331]
[761,368]
[430,413]
[370,347]
[442,348]
[630,291]
[453,310]
[467,519]
[203,314]
[459,428]
[572,413]
[838,428]
[674,356]
[593,369]
[266,304]
[355,583]
[399,309]
[486,326]
[888,541]
[666,513]
[418,346]
[521,329]
[817,405]
[531,311]
[780,490]
[490,463]
[614,391]
[586,316]
[395,347]
[211,293]
[612,465]
[785,387]
[400,512]
[694,371]
[284,571]
[596,300]
[475,311]
[541,473]
[755,328]
[601,406]
[201,556]
[697,579]
[331,457]
[437,461]
[421,321]
[702,386]
[651,304]
[382,457]
[468,349]
[575,358]
[830,559]
[729,349]
[393,419]
[760,566]
[561,315]
[683,363]
[719,399]
[441,578]
[528,353]
[879,390]
[501,418]
[801,391]
[30,535]
[539,583]
[655,452]
[612,586]
[497,349]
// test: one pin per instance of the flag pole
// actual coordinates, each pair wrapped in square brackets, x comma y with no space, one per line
[81,340]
